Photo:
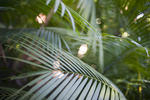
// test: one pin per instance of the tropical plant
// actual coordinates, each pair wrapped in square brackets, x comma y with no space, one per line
[40,50]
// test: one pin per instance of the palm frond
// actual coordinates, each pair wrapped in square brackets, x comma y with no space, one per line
[49,34]
[83,23]
[18,7]
[88,10]
[68,77]
[5,92]
[133,17]
[64,8]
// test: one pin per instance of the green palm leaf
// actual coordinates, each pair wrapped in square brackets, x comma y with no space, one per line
[49,34]
[64,8]
[5,92]
[68,77]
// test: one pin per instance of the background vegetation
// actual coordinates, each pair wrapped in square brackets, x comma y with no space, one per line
[73,41]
